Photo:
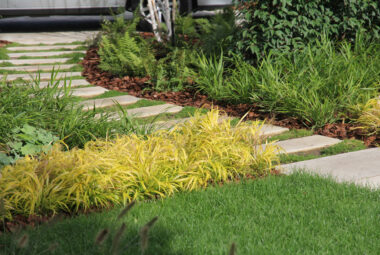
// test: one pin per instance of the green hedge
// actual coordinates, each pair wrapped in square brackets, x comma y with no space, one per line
[285,25]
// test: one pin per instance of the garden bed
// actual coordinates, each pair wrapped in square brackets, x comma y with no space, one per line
[141,87]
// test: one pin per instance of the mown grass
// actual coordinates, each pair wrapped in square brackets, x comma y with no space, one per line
[342,147]
[296,214]
[3,53]
[293,133]
[72,56]
[51,50]
[77,68]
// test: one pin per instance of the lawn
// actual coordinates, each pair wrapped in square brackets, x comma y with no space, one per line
[296,214]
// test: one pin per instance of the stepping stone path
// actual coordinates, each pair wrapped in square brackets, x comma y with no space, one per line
[362,167]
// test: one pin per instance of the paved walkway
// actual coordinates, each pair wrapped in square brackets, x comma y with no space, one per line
[361,167]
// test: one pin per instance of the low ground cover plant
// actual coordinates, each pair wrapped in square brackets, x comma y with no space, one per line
[275,215]
[110,172]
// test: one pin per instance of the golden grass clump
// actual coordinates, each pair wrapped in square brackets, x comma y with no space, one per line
[108,172]
[369,119]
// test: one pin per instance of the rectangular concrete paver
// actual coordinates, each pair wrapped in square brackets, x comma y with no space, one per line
[360,167]
[35,61]
[42,76]
[271,130]
[42,54]
[40,48]
[36,68]
[107,102]
[308,143]
[48,37]
[88,92]
[73,83]
[149,111]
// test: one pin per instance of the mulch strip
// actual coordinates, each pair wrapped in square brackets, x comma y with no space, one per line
[4,43]
[140,87]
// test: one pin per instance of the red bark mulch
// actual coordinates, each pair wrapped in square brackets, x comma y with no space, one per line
[4,43]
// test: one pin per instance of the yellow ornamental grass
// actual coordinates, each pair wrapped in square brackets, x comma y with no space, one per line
[111,172]
[369,119]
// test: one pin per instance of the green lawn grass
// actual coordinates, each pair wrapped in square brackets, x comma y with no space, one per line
[296,214]
[342,147]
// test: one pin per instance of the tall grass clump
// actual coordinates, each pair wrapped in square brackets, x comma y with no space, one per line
[318,84]
[369,117]
[131,167]
[53,109]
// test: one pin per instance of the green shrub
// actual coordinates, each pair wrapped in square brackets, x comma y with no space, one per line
[284,25]
[107,172]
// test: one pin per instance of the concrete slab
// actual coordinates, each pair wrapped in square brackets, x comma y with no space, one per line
[41,48]
[74,83]
[107,102]
[36,68]
[149,111]
[43,76]
[48,37]
[360,167]
[88,92]
[42,54]
[305,144]
[35,61]
[271,130]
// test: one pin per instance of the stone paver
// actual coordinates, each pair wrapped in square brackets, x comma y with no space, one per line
[48,37]
[35,61]
[149,111]
[42,54]
[306,144]
[73,83]
[360,167]
[107,102]
[43,76]
[36,68]
[88,92]
[271,130]
[40,48]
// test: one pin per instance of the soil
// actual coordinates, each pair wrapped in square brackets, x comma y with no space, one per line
[140,87]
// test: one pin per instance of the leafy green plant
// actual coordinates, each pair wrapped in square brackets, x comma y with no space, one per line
[192,155]
[283,25]
[125,56]
[28,140]
[174,71]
